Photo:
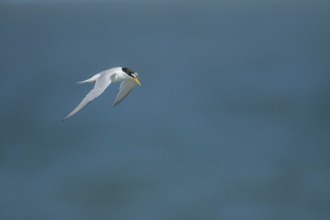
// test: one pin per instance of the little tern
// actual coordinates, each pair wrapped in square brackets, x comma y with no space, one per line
[127,77]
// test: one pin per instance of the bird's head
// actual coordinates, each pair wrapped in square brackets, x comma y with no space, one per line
[133,75]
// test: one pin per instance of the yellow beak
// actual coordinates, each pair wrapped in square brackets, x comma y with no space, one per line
[137,81]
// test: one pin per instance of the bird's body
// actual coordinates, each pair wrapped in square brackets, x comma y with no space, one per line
[102,80]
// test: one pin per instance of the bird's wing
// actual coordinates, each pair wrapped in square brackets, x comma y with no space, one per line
[124,89]
[100,85]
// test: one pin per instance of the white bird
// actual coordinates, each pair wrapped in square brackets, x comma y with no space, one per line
[127,77]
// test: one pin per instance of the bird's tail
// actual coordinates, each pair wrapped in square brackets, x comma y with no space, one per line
[91,80]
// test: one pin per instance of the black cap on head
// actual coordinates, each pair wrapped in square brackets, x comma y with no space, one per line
[128,71]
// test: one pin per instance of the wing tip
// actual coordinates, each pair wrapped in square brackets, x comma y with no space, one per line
[66,117]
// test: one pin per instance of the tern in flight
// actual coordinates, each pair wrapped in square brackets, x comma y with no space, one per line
[127,77]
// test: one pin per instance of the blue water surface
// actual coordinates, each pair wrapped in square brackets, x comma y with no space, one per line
[232,120]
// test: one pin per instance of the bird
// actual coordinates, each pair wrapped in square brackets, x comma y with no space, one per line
[128,78]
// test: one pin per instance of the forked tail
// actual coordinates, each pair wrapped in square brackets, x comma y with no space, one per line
[91,80]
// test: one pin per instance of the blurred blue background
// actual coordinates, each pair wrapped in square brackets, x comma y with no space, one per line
[232,121]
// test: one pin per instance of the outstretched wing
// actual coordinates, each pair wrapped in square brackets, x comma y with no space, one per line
[100,85]
[124,89]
